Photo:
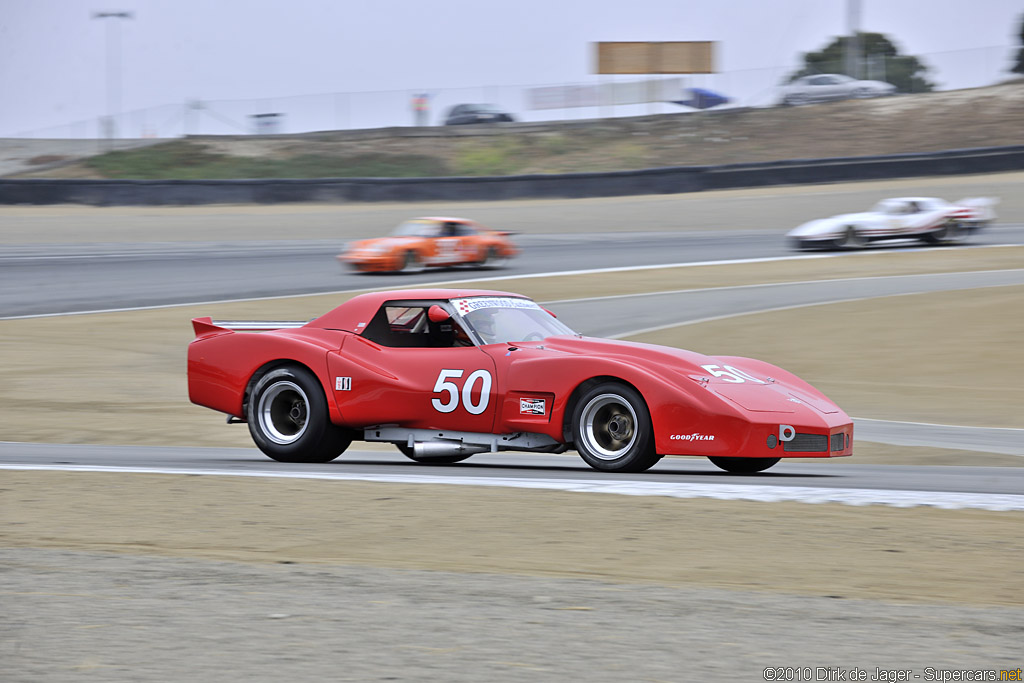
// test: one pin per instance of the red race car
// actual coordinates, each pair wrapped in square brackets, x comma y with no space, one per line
[443,374]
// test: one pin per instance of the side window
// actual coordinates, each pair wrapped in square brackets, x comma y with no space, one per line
[408,326]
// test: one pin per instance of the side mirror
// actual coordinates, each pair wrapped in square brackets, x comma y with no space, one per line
[438,314]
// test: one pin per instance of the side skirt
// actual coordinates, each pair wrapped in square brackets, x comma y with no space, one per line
[463,441]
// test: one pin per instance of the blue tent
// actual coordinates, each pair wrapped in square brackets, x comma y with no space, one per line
[699,98]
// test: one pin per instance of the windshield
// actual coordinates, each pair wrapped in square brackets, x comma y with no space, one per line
[504,319]
[416,228]
[889,206]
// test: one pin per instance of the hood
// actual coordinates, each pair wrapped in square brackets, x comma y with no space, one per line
[660,358]
[382,243]
[758,393]
[831,224]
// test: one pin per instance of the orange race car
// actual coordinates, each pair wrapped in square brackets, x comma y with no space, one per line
[421,242]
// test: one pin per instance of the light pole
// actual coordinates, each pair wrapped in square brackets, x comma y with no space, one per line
[113,69]
[853,41]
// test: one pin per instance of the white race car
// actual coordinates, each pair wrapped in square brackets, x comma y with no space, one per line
[931,220]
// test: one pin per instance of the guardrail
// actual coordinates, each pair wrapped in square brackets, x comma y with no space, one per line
[571,185]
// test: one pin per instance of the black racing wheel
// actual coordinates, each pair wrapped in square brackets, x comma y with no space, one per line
[289,419]
[611,429]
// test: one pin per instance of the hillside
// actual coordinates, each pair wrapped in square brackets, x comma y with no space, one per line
[981,117]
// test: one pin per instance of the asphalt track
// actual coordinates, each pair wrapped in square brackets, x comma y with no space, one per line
[38,279]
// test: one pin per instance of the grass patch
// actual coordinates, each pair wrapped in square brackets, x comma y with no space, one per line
[497,157]
[190,161]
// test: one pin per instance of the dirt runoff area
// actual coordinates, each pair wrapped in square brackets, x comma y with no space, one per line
[120,378]
[913,555]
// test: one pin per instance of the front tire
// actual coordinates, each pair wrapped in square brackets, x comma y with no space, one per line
[851,239]
[743,465]
[289,419]
[612,431]
[411,263]
[491,259]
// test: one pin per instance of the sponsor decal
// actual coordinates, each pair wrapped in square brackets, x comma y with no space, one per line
[693,437]
[531,406]
[464,306]
[343,384]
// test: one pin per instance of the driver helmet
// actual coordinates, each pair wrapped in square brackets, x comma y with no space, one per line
[483,321]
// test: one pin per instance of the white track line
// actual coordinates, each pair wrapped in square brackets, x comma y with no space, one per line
[775,309]
[755,493]
[525,276]
[933,424]
[761,285]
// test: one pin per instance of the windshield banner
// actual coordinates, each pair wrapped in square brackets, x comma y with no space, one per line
[464,306]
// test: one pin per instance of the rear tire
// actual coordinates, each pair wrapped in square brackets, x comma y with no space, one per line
[490,259]
[951,232]
[957,233]
[612,431]
[289,420]
[743,465]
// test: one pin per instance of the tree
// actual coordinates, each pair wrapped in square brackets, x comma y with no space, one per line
[878,59]
[1019,66]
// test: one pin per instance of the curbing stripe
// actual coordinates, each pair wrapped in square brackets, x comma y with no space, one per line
[756,493]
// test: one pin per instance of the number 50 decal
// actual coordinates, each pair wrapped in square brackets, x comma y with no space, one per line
[730,374]
[442,385]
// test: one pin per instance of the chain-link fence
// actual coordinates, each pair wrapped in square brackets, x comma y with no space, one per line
[428,107]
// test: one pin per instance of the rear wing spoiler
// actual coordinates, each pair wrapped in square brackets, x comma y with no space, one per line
[980,207]
[204,326]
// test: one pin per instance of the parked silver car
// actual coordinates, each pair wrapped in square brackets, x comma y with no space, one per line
[476,113]
[823,87]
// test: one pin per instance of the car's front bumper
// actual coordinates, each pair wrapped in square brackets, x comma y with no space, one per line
[370,263]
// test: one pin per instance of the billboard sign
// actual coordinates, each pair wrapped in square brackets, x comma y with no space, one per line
[687,57]
[604,94]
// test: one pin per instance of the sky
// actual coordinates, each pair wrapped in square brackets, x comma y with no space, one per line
[248,56]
